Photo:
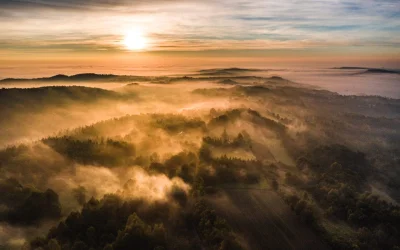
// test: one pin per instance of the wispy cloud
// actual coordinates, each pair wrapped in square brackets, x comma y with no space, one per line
[199,25]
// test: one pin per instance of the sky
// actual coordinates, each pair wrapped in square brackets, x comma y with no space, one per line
[74,30]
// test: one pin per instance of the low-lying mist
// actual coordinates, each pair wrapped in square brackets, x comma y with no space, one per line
[147,162]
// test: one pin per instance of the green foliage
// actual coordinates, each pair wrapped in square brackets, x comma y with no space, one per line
[111,222]
[94,152]
[234,170]
[211,228]
[182,164]
[176,123]
[229,116]
[114,223]
[205,153]
[139,235]
[225,142]
[333,177]
[198,187]
[25,205]
[80,195]
[336,180]
[304,208]
[323,157]
[274,184]
[293,180]
[53,245]
[61,94]
[257,118]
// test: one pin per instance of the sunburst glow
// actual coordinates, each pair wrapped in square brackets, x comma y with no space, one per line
[135,40]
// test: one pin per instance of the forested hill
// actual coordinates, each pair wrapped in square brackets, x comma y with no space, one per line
[53,95]
[25,112]
[77,78]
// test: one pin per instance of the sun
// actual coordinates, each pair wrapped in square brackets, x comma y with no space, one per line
[135,40]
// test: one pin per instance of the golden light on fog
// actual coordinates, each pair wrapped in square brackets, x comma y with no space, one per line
[135,40]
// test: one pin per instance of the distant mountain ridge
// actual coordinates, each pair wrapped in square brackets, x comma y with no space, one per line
[226,71]
[206,74]
[78,77]
[123,78]
[372,70]
[33,97]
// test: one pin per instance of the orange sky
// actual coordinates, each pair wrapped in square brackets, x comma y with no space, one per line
[38,36]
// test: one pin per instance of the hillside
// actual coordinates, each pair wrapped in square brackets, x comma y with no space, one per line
[264,163]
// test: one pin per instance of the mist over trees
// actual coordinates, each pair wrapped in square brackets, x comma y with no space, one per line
[200,162]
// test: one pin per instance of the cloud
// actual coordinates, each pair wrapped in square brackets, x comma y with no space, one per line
[197,25]
[73,4]
[129,183]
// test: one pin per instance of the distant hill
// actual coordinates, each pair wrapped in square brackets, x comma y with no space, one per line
[226,71]
[78,78]
[225,76]
[277,78]
[132,84]
[14,99]
[350,68]
[31,113]
[227,81]
[372,70]
[382,71]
